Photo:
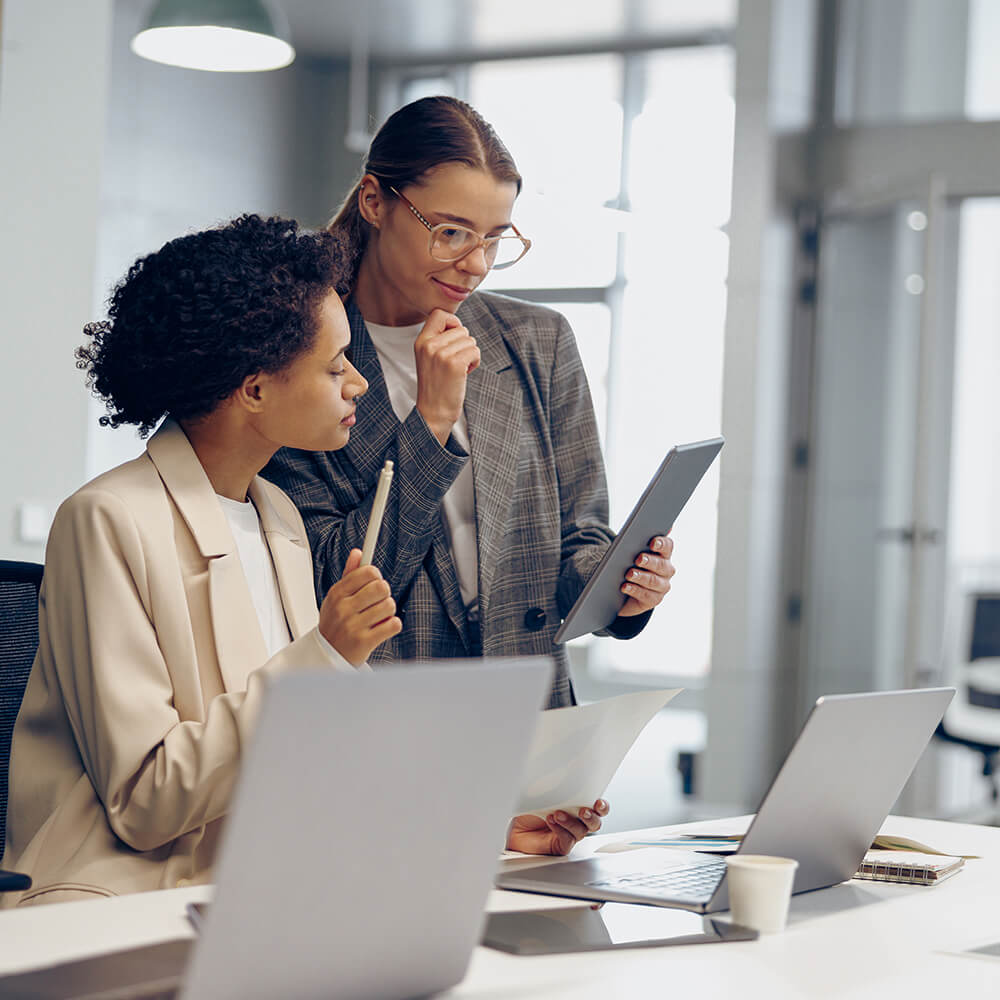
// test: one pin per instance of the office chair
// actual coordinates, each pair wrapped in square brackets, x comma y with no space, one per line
[971,662]
[19,584]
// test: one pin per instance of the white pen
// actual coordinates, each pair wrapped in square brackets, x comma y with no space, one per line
[378,509]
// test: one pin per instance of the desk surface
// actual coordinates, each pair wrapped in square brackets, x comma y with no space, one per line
[857,940]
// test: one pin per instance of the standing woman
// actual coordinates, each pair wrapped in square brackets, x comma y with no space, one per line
[178,583]
[498,511]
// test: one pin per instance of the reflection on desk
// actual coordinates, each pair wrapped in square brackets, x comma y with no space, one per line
[613,925]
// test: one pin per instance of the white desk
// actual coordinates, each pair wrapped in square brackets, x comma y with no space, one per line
[857,940]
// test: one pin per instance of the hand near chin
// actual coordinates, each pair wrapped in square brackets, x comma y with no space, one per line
[557,833]
[358,612]
[445,353]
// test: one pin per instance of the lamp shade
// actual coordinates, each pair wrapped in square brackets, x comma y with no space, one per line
[235,36]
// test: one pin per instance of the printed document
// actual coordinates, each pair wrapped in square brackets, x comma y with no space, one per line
[577,750]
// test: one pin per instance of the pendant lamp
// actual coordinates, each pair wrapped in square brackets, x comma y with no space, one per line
[235,36]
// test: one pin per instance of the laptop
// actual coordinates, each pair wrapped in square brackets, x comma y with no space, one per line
[365,831]
[824,807]
[361,844]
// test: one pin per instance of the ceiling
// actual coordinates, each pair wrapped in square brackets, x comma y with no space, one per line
[418,30]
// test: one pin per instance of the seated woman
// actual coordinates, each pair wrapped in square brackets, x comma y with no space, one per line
[178,583]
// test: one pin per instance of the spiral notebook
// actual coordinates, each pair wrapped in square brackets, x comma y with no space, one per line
[890,858]
[914,869]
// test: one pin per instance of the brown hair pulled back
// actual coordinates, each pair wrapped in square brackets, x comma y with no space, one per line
[413,140]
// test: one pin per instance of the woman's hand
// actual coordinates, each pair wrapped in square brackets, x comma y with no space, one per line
[358,612]
[648,579]
[557,833]
[445,353]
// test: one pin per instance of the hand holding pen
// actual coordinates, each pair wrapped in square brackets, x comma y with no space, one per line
[358,612]
[378,510]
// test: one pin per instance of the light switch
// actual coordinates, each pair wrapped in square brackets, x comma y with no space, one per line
[34,521]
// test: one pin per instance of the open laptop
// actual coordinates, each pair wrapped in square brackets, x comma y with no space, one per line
[361,843]
[824,807]
[365,831]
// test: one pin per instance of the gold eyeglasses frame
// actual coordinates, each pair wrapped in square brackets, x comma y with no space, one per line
[485,242]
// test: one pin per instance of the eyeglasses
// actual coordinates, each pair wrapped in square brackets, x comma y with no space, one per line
[450,242]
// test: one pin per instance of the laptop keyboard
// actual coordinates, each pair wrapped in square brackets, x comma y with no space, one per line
[695,881]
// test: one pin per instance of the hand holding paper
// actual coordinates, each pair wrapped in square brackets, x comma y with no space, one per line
[557,833]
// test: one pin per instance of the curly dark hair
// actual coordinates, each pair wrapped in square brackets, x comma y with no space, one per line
[190,322]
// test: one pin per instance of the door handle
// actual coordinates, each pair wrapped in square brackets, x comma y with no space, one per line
[909,534]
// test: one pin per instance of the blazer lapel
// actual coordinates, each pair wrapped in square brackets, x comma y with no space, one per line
[239,642]
[441,570]
[377,426]
[493,412]
[292,563]
[377,422]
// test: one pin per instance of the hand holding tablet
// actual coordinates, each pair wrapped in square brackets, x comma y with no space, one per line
[647,580]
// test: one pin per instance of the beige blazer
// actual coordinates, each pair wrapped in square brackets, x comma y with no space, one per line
[149,673]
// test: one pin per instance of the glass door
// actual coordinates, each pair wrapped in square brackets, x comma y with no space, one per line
[879,453]
[972,536]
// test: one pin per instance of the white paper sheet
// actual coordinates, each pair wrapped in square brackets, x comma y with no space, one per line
[577,750]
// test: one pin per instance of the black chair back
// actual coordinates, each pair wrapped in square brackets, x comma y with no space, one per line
[19,584]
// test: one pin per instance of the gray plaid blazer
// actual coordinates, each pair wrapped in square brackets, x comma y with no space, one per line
[540,494]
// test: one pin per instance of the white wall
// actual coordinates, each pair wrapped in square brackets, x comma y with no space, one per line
[53,90]
[188,149]
[106,156]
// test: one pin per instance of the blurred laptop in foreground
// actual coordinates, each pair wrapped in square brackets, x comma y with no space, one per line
[360,847]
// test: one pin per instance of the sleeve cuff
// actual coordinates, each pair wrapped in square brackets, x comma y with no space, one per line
[627,628]
[429,467]
[332,657]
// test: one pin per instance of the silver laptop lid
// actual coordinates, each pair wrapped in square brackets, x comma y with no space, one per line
[848,766]
[365,830]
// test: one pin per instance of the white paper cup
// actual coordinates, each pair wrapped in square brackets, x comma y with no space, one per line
[760,888]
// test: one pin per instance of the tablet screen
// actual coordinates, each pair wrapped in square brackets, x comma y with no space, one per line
[664,498]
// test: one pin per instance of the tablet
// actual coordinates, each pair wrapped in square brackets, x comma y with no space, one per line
[615,925]
[664,498]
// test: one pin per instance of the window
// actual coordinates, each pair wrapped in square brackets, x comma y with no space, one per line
[568,150]
[668,385]
[974,528]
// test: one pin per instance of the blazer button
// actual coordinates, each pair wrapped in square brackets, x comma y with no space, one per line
[534,619]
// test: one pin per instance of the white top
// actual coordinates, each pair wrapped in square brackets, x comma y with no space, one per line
[258,568]
[394,346]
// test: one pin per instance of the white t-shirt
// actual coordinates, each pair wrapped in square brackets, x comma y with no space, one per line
[258,568]
[394,346]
